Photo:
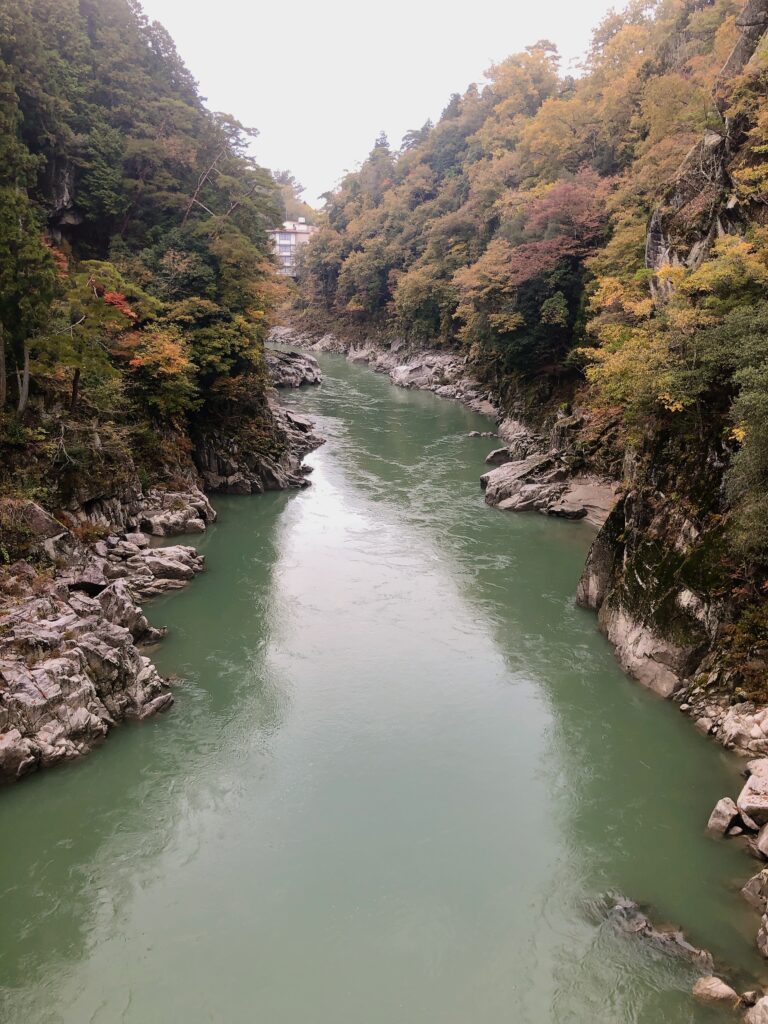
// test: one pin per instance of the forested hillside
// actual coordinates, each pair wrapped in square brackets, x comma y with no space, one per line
[603,240]
[135,277]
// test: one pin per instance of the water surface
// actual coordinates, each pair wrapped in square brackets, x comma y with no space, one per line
[401,769]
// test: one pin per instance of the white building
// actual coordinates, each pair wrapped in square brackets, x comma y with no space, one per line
[287,241]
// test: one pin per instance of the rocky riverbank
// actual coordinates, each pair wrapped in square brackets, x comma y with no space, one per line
[446,374]
[542,473]
[72,632]
[745,820]
[292,369]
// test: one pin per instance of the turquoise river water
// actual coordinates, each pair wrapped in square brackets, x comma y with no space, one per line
[401,770]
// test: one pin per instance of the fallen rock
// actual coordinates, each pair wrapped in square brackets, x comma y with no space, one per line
[498,457]
[171,513]
[292,369]
[758,1014]
[755,891]
[753,799]
[762,937]
[723,816]
[713,991]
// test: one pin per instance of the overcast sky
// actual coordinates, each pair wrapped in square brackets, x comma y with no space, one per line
[321,78]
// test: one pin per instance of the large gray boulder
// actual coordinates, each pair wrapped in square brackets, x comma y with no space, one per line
[292,369]
[713,991]
[172,513]
[756,890]
[723,816]
[753,799]
[758,1014]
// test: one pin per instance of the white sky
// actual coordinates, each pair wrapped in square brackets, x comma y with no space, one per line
[321,78]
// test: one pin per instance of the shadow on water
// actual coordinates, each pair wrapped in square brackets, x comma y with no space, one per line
[400,767]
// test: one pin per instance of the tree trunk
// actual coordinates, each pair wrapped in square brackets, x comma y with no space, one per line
[75,390]
[3,377]
[24,383]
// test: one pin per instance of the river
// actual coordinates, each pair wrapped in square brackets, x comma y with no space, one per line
[402,768]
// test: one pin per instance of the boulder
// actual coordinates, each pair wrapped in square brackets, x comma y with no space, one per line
[292,369]
[714,992]
[166,567]
[758,1014]
[762,937]
[722,817]
[756,890]
[17,756]
[753,799]
[498,457]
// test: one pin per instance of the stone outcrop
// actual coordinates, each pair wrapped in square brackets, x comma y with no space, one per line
[228,467]
[712,991]
[70,664]
[663,624]
[292,369]
[71,631]
[530,476]
[70,670]
[171,513]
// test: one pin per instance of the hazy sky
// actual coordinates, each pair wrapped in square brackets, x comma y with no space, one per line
[321,78]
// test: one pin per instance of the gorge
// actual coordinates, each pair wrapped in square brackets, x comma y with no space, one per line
[413,820]
[395,618]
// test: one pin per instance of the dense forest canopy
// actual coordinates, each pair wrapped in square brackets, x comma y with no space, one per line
[136,276]
[517,227]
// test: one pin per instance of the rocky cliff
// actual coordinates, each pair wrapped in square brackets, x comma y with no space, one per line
[72,632]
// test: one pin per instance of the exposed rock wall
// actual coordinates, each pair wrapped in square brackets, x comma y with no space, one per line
[71,628]
[292,369]
[227,466]
[70,663]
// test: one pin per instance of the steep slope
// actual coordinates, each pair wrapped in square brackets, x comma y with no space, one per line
[597,249]
[136,288]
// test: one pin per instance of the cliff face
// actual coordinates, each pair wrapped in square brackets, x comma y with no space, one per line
[660,574]
[72,664]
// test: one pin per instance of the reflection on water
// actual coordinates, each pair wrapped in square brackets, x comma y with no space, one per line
[400,767]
